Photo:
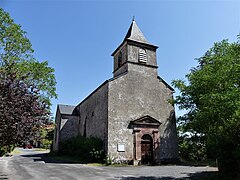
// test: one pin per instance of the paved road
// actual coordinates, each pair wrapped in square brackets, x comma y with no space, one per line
[34,165]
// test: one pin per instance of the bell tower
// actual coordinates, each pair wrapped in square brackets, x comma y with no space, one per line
[134,52]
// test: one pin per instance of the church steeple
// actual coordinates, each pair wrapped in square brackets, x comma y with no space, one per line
[135,34]
[134,49]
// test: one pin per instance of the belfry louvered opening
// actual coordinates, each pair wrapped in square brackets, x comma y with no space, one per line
[142,55]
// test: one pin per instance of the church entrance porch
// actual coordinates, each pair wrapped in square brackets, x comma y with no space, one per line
[146,140]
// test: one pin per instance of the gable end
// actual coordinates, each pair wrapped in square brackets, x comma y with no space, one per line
[146,120]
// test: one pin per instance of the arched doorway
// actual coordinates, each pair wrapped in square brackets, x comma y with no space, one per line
[146,149]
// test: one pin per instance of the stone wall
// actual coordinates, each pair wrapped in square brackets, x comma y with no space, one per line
[68,127]
[94,114]
[133,54]
[134,95]
[121,70]
[56,131]
[122,49]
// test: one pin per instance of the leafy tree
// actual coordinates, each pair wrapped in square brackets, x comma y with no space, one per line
[211,97]
[192,147]
[15,48]
[44,135]
[21,109]
[26,85]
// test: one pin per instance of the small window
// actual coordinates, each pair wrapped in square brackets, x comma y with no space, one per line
[85,128]
[119,59]
[142,55]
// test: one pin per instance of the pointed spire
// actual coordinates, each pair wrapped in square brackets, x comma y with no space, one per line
[135,34]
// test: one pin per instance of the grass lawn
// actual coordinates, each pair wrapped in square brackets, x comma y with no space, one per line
[41,149]
[15,152]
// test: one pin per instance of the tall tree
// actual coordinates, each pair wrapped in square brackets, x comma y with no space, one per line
[21,110]
[16,48]
[26,85]
[211,97]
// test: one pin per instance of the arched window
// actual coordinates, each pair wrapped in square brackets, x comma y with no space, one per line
[146,138]
[85,128]
[119,59]
[142,55]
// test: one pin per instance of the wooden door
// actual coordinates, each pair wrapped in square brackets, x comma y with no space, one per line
[147,149]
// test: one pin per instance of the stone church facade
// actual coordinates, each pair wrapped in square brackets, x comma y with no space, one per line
[130,112]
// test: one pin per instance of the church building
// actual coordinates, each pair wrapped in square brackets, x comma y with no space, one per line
[130,112]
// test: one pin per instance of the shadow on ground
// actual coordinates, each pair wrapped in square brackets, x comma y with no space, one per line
[194,176]
[47,158]
[205,175]
[3,176]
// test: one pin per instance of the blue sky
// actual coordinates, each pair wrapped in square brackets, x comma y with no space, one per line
[77,37]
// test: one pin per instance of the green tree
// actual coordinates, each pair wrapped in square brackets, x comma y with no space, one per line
[26,85]
[44,135]
[211,97]
[15,48]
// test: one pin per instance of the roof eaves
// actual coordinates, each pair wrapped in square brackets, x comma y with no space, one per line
[164,82]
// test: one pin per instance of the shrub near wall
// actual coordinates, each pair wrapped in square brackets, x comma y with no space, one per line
[88,149]
[6,149]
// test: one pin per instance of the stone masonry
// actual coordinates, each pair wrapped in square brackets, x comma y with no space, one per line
[131,112]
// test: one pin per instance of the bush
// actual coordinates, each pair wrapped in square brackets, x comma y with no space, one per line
[97,156]
[109,161]
[46,143]
[2,151]
[90,149]
[228,163]
[6,149]
[192,148]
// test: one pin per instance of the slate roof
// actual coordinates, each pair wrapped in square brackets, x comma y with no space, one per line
[66,109]
[135,34]
[166,84]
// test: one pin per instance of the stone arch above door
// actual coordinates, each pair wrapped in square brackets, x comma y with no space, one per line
[145,125]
